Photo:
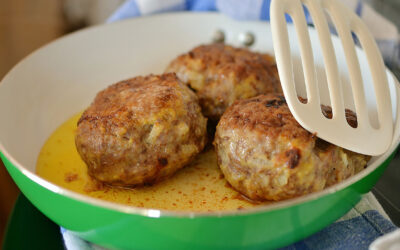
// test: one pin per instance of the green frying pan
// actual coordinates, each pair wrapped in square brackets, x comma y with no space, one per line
[62,78]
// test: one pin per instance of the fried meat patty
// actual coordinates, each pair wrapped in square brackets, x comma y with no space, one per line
[265,154]
[141,130]
[221,74]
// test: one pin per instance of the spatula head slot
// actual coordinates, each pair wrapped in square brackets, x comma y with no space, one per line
[341,86]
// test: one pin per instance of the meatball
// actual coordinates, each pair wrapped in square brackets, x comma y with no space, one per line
[265,154]
[141,130]
[221,74]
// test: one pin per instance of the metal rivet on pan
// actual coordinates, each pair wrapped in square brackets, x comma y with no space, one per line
[247,39]
[218,37]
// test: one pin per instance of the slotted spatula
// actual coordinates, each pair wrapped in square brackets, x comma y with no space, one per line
[365,138]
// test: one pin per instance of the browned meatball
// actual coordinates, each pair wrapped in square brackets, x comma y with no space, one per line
[266,155]
[221,74]
[141,130]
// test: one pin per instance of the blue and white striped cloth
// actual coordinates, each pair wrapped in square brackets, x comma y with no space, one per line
[367,221]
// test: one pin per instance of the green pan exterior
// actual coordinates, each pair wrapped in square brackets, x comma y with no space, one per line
[258,230]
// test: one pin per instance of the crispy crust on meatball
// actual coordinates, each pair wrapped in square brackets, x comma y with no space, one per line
[221,74]
[265,154]
[141,130]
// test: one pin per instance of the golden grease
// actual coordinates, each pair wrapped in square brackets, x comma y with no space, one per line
[200,186]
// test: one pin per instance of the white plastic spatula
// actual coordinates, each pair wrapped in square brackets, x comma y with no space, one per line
[365,138]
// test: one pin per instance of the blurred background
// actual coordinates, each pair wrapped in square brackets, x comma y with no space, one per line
[26,25]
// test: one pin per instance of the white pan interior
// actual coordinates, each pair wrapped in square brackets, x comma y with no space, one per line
[62,78]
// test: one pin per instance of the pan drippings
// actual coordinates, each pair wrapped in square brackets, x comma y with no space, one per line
[200,186]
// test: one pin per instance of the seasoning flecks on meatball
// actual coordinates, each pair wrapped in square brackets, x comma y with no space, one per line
[141,130]
[265,154]
[221,74]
